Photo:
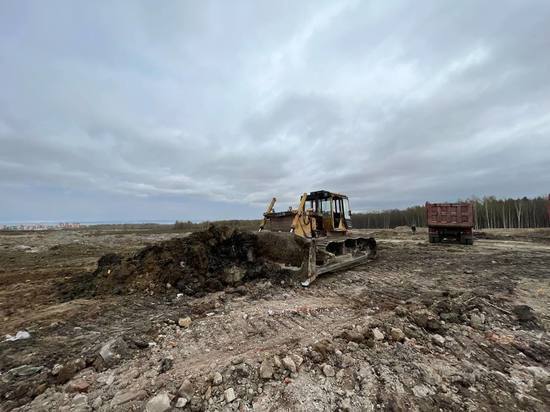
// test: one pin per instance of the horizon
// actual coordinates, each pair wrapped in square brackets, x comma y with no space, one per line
[170,221]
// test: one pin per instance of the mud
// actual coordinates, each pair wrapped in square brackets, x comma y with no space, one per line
[424,327]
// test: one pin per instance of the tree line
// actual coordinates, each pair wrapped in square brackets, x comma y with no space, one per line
[490,213]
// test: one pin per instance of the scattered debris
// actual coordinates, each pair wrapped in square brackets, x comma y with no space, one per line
[22,334]
[184,322]
[159,403]
[229,395]
[217,378]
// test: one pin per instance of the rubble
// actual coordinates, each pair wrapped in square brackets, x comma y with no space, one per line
[159,403]
[217,379]
[377,334]
[328,370]
[229,395]
[438,339]
[397,335]
[184,322]
[266,369]
[181,402]
[123,397]
[289,364]
[78,385]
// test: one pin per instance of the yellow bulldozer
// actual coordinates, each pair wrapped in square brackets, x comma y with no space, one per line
[323,219]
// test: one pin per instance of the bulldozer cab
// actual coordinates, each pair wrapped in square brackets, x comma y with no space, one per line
[331,210]
[319,214]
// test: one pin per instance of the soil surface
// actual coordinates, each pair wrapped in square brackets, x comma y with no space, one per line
[423,327]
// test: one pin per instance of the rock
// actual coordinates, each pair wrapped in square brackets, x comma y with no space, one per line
[79,400]
[438,339]
[352,336]
[106,379]
[78,385]
[346,405]
[347,361]
[186,389]
[289,364]
[363,373]
[352,346]
[377,334]
[184,322]
[112,351]
[298,360]
[123,397]
[56,369]
[237,361]
[422,391]
[217,378]
[421,317]
[277,361]
[181,402]
[229,395]
[401,311]
[266,369]
[397,335]
[159,403]
[166,364]
[477,320]
[323,347]
[97,403]
[328,371]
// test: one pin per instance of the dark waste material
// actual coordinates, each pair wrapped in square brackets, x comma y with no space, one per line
[204,261]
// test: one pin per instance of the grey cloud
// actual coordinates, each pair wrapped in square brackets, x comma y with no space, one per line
[232,103]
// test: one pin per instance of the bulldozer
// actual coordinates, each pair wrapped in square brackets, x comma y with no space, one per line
[323,219]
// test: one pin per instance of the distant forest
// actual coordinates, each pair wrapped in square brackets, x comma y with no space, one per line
[491,213]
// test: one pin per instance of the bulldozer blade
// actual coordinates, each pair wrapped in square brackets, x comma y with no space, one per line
[313,271]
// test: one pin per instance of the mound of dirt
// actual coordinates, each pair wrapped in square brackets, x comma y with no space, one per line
[204,261]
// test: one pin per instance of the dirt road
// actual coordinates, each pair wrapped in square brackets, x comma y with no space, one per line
[425,327]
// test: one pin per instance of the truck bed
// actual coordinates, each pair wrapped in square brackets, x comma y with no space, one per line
[459,215]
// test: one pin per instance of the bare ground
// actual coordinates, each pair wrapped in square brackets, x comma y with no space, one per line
[425,327]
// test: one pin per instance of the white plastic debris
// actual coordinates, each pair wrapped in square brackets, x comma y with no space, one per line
[22,334]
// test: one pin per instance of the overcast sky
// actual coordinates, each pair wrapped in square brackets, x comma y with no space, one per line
[203,110]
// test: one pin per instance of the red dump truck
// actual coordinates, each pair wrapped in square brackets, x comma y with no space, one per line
[451,221]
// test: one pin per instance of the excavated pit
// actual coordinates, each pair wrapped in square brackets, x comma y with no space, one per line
[204,261]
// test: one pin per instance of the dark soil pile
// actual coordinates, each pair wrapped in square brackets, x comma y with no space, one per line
[204,261]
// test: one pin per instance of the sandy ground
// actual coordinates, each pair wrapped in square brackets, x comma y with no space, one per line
[424,327]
